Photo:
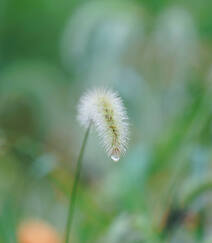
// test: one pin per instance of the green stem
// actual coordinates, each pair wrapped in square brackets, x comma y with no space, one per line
[73,194]
[197,191]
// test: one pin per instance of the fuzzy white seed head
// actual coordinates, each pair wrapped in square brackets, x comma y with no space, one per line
[105,109]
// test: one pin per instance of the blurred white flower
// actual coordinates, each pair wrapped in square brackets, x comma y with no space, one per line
[105,109]
[175,33]
[125,228]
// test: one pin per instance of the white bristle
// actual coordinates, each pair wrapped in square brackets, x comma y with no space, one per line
[105,109]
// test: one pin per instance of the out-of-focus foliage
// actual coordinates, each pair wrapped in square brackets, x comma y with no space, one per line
[157,55]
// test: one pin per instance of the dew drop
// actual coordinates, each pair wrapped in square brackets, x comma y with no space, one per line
[115,157]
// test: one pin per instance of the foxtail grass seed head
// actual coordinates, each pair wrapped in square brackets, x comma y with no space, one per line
[104,108]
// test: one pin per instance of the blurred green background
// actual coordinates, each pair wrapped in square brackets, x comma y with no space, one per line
[158,55]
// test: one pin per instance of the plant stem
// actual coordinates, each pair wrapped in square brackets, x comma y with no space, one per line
[74,189]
